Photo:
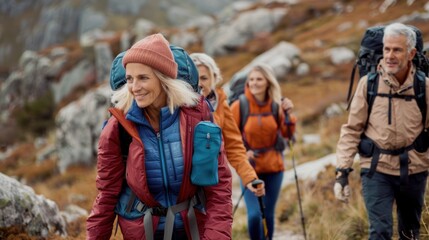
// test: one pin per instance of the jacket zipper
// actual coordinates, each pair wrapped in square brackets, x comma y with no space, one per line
[172,160]
[188,151]
[163,167]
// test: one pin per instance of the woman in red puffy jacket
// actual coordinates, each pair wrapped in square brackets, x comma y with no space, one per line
[158,166]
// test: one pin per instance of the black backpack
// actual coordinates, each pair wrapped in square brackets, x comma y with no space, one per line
[236,86]
[371,52]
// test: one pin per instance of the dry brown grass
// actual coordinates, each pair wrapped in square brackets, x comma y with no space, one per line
[325,217]
[328,219]
[22,155]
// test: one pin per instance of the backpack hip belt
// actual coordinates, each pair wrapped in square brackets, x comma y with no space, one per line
[198,200]
[170,213]
[368,148]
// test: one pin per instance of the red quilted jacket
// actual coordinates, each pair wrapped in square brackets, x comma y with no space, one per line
[216,224]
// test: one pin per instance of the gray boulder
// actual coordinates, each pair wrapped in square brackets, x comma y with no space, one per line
[142,28]
[73,213]
[341,55]
[231,11]
[177,16]
[55,24]
[281,58]
[78,76]
[229,36]
[103,60]
[90,20]
[79,125]
[210,6]
[20,206]
[26,84]
[184,39]
[91,37]
[126,6]
[201,23]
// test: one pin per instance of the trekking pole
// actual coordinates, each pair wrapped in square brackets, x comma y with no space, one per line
[297,188]
[290,144]
[255,184]
[241,196]
[238,202]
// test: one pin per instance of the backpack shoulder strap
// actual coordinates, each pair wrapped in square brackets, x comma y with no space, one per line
[244,110]
[125,141]
[128,126]
[372,89]
[275,110]
[420,93]
[352,77]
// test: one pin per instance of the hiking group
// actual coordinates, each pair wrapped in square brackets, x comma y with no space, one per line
[163,155]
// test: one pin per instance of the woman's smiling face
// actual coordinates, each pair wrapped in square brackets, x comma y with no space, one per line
[257,82]
[145,86]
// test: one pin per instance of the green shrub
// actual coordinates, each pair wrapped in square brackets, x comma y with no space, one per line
[36,117]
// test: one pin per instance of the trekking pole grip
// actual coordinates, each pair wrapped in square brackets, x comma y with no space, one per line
[288,124]
[257,182]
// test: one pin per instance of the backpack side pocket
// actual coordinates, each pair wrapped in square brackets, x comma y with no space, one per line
[421,144]
[280,144]
[366,147]
[207,145]
[123,207]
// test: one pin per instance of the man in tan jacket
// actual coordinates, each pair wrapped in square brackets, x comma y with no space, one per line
[393,166]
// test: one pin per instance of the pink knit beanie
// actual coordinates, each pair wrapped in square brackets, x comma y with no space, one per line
[153,51]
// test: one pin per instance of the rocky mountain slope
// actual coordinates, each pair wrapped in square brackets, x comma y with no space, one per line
[35,25]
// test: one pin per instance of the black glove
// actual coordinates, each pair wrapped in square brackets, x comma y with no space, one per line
[341,187]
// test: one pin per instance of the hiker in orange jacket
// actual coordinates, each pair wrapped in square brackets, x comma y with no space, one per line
[260,135]
[210,76]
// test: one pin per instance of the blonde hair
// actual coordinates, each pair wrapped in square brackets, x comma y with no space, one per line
[179,93]
[202,59]
[273,89]
[122,98]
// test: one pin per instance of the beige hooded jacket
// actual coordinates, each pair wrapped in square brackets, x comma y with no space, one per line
[406,125]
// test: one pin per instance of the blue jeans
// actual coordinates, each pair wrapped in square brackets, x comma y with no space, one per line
[273,182]
[381,191]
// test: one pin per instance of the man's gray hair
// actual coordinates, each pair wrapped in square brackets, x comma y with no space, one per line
[396,29]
